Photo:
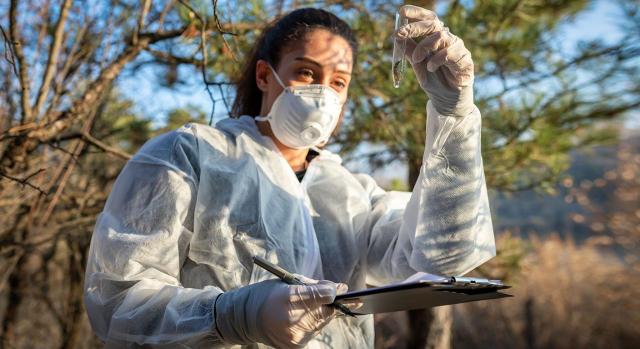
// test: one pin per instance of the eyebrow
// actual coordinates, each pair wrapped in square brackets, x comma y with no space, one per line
[311,61]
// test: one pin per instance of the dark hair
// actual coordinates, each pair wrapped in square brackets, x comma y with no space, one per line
[276,36]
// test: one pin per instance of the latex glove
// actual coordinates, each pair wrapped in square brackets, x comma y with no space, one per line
[442,63]
[275,313]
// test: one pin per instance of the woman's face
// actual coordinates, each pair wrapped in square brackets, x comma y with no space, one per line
[320,58]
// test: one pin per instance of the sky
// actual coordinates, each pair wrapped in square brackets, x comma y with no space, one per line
[155,101]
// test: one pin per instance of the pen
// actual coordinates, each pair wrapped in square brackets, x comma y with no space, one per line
[292,279]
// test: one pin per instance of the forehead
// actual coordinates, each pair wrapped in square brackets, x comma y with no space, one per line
[328,49]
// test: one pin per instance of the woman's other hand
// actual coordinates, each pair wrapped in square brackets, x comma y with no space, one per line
[277,314]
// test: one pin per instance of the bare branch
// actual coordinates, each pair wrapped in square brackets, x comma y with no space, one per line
[23,67]
[78,147]
[64,74]
[224,100]
[167,7]
[221,31]
[63,182]
[195,13]
[25,181]
[13,262]
[217,20]
[56,146]
[61,231]
[51,305]
[203,49]
[159,36]
[166,57]
[9,54]
[44,26]
[34,174]
[141,19]
[49,130]
[54,53]
[85,136]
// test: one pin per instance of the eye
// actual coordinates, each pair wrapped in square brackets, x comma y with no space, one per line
[339,84]
[306,73]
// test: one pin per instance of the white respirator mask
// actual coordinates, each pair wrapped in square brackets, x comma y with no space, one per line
[303,116]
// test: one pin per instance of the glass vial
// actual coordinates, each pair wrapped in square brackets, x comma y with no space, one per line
[399,63]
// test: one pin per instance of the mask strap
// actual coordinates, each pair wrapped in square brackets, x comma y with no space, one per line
[265,118]
[277,77]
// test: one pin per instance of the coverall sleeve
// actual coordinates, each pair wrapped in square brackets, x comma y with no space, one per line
[132,289]
[444,225]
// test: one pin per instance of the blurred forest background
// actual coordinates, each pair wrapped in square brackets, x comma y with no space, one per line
[561,145]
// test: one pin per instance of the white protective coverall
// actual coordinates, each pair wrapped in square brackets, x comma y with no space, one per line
[193,206]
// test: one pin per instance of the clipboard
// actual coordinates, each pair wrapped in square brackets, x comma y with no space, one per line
[422,294]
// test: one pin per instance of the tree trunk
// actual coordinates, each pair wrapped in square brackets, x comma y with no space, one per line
[420,321]
[529,330]
[16,288]
[74,302]
[414,164]
[440,328]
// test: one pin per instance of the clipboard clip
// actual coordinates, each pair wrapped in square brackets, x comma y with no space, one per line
[477,282]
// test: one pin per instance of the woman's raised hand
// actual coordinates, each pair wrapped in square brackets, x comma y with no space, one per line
[442,63]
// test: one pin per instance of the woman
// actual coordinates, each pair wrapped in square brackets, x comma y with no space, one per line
[170,261]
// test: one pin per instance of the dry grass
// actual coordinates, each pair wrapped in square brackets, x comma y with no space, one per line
[566,296]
